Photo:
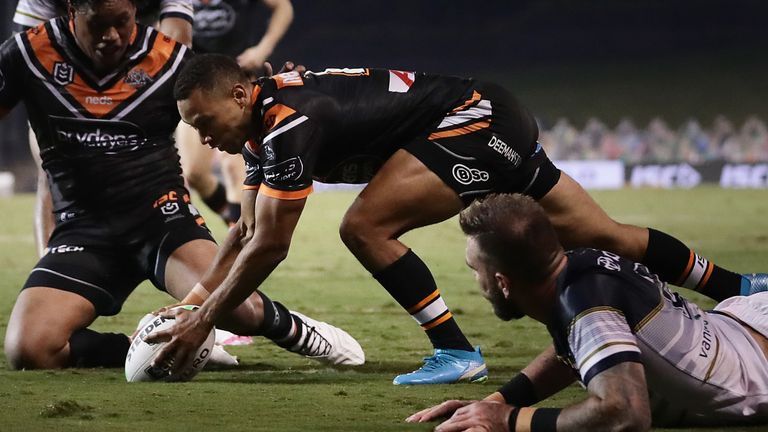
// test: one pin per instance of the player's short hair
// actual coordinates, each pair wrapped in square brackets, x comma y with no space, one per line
[208,72]
[90,4]
[515,235]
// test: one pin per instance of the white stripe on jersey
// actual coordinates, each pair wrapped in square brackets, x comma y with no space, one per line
[602,353]
[43,79]
[285,128]
[482,109]
[597,335]
[157,84]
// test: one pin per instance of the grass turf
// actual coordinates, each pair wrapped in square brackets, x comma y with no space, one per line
[273,390]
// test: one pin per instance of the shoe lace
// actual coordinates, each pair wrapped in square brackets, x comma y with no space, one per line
[433,362]
[314,344]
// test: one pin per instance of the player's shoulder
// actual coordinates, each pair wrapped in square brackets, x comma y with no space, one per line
[158,51]
[596,279]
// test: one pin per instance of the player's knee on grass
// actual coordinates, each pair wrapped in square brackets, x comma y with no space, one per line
[25,349]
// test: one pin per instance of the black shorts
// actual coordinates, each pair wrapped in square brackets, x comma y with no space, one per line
[89,257]
[487,145]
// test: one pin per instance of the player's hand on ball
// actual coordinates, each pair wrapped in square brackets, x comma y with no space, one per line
[445,409]
[184,338]
[488,416]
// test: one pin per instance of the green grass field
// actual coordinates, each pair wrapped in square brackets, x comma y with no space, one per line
[276,391]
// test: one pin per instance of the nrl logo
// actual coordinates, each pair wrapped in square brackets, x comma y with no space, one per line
[63,73]
[137,78]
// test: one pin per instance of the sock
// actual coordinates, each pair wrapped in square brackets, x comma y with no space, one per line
[217,201]
[88,348]
[410,283]
[232,213]
[279,324]
[675,263]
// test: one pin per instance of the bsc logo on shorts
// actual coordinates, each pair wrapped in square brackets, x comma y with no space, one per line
[466,175]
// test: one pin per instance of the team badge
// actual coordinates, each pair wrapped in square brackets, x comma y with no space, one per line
[137,78]
[269,153]
[63,73]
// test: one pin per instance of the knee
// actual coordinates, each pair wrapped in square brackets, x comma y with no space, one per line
[355,231]
[24,351]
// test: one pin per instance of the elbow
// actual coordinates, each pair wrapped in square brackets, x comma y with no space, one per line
[627,417]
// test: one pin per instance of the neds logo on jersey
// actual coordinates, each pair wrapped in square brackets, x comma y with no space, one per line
[96,135]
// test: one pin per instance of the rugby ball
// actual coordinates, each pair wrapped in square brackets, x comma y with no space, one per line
[138,361]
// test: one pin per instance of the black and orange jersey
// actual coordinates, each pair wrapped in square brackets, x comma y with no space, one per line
[106,142]
[340,125]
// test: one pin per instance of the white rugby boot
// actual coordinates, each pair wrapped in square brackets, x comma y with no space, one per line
[326,343]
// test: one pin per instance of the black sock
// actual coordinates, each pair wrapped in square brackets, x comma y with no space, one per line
[88,348]
[410,283]
[675,263]
[278,323]
[217,201]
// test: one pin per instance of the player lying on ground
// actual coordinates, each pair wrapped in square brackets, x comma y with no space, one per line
[98,89]
[428,145]
[644,353]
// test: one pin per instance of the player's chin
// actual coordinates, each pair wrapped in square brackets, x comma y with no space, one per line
[231,149]
[507,312]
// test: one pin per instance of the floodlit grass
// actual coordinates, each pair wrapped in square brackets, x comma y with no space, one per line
[275,391]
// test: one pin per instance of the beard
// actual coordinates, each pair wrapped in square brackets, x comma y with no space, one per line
[505,310]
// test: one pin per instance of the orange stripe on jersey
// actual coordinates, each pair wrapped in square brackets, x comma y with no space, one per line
[275,115]
[417,307]
[43,50]
[251,187]
[474,127]
[99,104]
[255,94]
[475,98]
[285,195]
[288,79]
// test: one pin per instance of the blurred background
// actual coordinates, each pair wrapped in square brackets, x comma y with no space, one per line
[659,86]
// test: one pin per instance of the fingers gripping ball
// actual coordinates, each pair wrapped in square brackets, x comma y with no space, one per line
[138,362]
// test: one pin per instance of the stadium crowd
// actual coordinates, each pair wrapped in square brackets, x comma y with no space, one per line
[659,141]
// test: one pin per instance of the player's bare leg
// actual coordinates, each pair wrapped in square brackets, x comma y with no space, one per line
[402,196]
[580,222]
[233,174]
[47,330]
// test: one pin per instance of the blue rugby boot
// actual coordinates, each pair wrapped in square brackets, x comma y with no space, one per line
[448,366]
[752,283]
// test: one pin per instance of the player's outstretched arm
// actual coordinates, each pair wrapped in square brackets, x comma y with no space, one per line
[274,224]
[618,400]
[543,377]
